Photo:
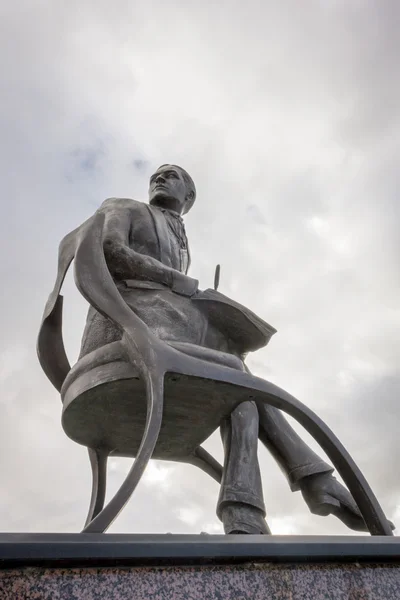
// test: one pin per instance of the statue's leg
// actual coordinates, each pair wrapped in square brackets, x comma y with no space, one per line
[293,455]
[241,503]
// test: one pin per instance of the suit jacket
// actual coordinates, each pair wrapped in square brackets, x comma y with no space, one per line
[244,330]
[248,331]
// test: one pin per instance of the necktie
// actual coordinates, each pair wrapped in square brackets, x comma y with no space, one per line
[175,224]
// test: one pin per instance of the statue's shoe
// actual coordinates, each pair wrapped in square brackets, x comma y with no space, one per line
[238,518]
[324,496]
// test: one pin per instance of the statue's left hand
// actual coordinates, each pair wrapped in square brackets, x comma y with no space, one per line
[324,495]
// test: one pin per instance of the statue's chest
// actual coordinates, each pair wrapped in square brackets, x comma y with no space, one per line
[143,237]
[155,239]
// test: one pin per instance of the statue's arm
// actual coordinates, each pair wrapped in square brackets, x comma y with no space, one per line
[126,263]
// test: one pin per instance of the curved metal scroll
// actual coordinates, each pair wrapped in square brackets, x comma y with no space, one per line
[104,519]
[154,358]
[50,345]
[98,463]
[262,391]
[207,463]
[95,283]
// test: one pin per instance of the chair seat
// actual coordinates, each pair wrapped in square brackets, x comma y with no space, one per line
[105,407]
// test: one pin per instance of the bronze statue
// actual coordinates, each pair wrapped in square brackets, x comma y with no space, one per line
[144,248]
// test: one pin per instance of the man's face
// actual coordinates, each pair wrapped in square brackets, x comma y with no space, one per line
[168,189]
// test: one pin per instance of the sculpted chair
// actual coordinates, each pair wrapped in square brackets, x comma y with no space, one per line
[135,397]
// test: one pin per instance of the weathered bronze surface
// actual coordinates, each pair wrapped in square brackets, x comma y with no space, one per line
[162,366]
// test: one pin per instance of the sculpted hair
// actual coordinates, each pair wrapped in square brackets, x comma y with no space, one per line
[189,184]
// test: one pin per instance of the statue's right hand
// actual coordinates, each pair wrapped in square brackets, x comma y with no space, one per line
[183,284]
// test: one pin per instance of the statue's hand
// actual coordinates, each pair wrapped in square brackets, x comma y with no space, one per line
[183,284]
[324,495]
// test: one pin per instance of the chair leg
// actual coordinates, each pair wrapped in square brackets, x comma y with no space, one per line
[98,463]
[155,393]
[207,463]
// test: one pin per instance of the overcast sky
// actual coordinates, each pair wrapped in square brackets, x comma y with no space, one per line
[287,115]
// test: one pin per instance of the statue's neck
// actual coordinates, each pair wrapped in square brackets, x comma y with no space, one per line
[170,206]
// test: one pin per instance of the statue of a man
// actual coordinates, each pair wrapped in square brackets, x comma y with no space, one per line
[147,253]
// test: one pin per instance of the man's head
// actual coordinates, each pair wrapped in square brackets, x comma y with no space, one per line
[172,187]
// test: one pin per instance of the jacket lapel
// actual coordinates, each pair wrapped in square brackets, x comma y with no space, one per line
[163,235]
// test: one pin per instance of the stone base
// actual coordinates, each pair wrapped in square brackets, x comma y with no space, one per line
[198,567]
[253,582]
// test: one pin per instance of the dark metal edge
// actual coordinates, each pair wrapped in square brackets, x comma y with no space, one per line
[125,549]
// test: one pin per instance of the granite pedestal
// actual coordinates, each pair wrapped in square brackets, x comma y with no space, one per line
[190,567]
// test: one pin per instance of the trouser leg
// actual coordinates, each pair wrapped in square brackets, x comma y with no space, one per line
[293,455]
[241,481]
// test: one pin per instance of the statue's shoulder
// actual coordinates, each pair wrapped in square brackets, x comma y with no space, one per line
[112,204]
